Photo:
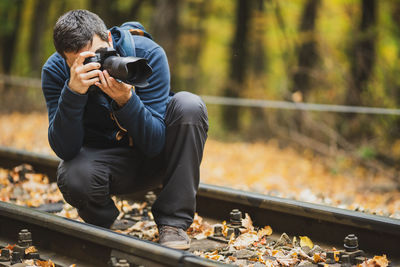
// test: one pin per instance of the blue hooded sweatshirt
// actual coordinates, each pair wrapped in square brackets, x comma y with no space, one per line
[77,120]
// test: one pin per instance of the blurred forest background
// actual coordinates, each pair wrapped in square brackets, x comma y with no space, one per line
[342,52]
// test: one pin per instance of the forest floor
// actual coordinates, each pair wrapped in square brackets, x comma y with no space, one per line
[261,167]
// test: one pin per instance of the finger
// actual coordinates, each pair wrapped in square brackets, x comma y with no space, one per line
[98,84]
[79,60]
[90,74]
[92,81]
[110,80]
[89,67]
[103,80]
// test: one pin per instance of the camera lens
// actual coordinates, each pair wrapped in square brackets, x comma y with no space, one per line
[130,70]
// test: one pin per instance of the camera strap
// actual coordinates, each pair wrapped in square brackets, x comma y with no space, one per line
[130,29]
[122,131]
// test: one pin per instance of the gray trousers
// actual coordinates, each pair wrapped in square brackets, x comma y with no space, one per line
[88,180]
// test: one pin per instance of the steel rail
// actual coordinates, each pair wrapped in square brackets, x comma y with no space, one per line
[91,244]
[275,104]
[329,225]
[323,224]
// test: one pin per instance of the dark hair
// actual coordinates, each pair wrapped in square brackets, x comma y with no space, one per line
[75,29]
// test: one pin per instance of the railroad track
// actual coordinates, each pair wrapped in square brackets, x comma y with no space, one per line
[87,245]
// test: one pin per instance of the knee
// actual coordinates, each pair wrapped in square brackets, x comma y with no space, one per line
[80,181]
[190,108]
[71,183]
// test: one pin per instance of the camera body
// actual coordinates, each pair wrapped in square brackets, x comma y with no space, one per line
[101,55]
[131,70]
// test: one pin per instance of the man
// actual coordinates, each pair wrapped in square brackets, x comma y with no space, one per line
[118,139]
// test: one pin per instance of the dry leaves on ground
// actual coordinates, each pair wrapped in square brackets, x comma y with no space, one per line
[257,167]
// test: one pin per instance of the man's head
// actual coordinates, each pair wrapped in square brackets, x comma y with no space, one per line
[77,31]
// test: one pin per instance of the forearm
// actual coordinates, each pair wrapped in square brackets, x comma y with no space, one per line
[66,131]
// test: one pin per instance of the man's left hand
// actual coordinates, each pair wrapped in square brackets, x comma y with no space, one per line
[119,91]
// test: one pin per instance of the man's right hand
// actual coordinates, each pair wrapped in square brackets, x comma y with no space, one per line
[83,76]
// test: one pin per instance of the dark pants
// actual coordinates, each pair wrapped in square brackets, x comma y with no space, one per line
[88,180]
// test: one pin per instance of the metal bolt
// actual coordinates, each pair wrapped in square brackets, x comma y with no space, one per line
[145,214]
[112,262]
[134,212]
[24,238]
[150,198]
[122,263]
[218,230]
[330,257]
[5,255]
[236,217]
[345,259]
[33,255]
[351,243]
[16,257]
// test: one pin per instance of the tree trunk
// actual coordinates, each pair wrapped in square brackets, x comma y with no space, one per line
[166,31]
[38,27]
[258,57]
[395,81]
[238,64]
[193,34]
[108,11]
[258,66]
[9,36]
[307,50]
[357,127]
[363,54]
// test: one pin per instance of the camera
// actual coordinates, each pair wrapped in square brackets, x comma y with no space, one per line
[131,70]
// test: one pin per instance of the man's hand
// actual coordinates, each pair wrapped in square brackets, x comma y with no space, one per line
[119,91]
[83,76]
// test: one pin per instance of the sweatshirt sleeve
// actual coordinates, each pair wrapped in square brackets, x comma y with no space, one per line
[65,109]
[143,115]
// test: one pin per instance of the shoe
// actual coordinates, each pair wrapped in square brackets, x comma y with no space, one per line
[121,224]
[173,237]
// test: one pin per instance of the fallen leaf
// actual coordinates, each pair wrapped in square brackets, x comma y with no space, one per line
[266,231]
[305,241]
[48,263]
[247,223]
[10,247]
[336,255]
[377,261]
[30,249]
[245,240]
[317,258]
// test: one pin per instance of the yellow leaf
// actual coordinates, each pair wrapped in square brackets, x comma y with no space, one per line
[317,258]
[306,242]
[336,255]
[48,263]
[267,230]
[381,261]
[31,249]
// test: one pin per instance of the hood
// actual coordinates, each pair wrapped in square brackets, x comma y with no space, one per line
[122,37]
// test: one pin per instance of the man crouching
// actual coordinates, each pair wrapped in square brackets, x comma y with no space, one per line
[119,139]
